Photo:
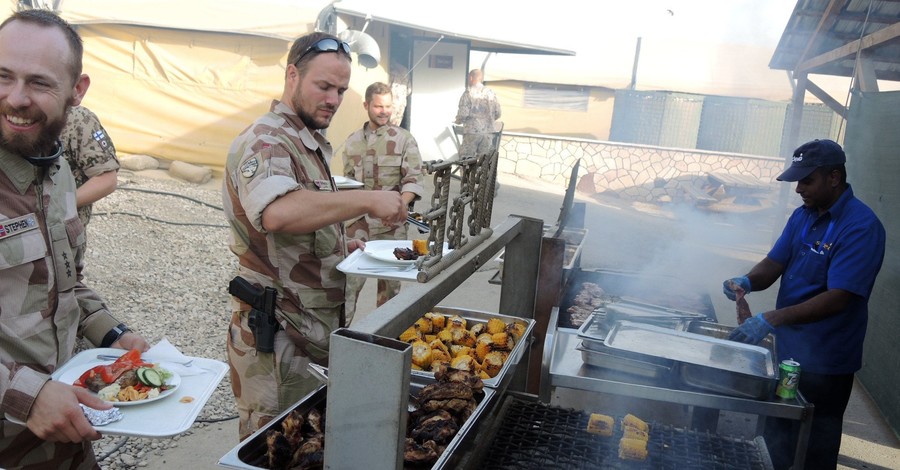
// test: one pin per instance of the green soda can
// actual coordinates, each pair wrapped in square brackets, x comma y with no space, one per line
[790,378]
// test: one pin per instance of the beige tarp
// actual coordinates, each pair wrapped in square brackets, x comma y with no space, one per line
[182,95]
[179,80]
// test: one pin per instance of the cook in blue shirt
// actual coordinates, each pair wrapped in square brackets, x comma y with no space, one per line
[827,257]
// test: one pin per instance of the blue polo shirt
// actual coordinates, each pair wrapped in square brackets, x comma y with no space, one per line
[841,249]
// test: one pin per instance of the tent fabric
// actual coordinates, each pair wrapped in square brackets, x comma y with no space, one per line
[271,18]
[182,95]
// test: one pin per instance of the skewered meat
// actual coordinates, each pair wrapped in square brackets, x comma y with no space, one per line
[420,454]
[279,449]
[437,426]
[291,426]
[314,421]
[96,382]
[589,298]
[406,254]
[743,308]
[310,454]
[446,374]
[445,390]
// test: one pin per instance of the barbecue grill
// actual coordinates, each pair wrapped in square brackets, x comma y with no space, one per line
[533,435]
[635,288]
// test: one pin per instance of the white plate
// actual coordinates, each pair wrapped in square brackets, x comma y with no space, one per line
[342,182]
[70,376]
[383,250]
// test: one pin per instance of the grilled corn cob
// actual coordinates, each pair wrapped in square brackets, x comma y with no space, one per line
[425,325]
[437,319]
[463,362]
[493,362]
[456,321]
[421,354]
[516,329]
[635,422]
[601,424]
[411,334]
[632,449]
[503,341]
[495,325]
[632,432]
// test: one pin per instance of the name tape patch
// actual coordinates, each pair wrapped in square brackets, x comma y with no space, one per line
[21,224]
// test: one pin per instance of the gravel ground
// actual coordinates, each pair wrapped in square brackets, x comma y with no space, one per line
[162,264]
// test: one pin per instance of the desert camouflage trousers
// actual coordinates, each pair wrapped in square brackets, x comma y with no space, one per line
[20,449]
[265,384]
[387,290]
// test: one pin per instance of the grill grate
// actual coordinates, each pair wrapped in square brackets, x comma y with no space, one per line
[538,436]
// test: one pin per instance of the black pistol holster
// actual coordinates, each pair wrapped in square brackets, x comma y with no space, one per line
[262,319]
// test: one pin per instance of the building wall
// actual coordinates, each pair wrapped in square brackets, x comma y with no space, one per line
[637,172]
[592,123]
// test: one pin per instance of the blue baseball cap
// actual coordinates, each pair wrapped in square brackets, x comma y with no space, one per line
[812,155]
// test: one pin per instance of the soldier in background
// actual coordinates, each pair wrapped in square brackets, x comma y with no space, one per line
[286,217]
[478,109]
[92,158]
[383,157]
[44,306]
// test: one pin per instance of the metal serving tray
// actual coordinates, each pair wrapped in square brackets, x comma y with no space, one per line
[250,454]
[594,330]
[595,352]
[705,362]
[631,310]
[473,317]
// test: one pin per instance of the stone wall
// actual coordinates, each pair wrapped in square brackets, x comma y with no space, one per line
[636,172]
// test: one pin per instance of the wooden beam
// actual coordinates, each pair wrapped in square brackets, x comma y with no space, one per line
[829,17]
[877,38]
[865,73]
[824,97]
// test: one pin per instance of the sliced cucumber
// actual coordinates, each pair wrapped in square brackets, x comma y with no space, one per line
[150,377]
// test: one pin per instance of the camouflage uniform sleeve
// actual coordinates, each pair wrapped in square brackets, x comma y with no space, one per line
[19,387]
[495,111]
[354,148]
[464,108]
[412,180]
[88,147]
[262,174]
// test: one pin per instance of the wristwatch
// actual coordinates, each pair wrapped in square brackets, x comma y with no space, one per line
[113,335]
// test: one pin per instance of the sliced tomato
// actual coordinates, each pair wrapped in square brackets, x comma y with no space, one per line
[111,372]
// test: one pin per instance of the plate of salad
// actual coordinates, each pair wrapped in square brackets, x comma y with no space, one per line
[124,382]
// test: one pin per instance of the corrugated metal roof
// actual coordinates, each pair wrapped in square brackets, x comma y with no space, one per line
[823,37]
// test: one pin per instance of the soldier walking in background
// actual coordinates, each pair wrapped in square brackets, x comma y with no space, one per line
[478,109]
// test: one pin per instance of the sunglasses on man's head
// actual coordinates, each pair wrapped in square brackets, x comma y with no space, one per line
[326,45]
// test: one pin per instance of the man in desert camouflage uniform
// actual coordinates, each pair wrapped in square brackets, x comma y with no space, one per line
[383,157]
[478,109]
[286,220]
[92,157]
[44,306]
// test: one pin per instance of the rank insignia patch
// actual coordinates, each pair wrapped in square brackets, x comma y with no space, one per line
[248,169]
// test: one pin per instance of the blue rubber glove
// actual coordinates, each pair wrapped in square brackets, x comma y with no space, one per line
[742,281]
[754,330]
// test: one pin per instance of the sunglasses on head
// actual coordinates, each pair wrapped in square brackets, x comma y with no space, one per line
[326,45]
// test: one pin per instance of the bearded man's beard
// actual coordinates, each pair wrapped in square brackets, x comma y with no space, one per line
[308,119]
[43,145]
